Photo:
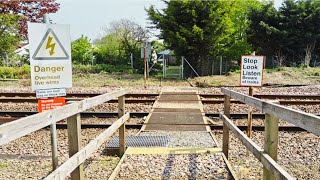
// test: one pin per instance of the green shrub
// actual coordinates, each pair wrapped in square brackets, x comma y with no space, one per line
[100,68]
[15,72]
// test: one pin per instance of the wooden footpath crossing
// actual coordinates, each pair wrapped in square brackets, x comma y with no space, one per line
[177,111]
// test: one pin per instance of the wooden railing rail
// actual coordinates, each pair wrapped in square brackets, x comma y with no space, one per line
[301,119]
[273,112]
[276,170]
[16,129]
[77,159]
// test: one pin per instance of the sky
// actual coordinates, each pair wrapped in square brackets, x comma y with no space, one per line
[89,17]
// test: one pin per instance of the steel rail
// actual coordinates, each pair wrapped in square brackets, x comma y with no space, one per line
[131,101]
[17,114]
[212,126]
[82,95]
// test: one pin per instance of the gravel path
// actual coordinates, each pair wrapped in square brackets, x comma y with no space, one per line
[191,166]
[298,153]
[184,138]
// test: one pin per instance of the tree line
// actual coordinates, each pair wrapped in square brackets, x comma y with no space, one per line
[204,30]
[199,30]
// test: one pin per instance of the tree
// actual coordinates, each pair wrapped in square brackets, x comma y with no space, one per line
[108,50]
[30,10]
[82,51]
[291,32]
[198,30]
[239,11]
[122,38]
[9,35]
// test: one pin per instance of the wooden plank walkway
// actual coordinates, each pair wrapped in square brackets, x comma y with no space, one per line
[177,111]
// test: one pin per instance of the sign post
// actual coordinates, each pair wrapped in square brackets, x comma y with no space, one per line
[251,75]
[51,71]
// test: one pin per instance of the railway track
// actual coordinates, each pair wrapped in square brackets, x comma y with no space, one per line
[144,95]
[11,116]
[309,101]
[8,116]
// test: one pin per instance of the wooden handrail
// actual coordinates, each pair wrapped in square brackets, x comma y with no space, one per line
[72,163]
[16,129]
[299,118]
[258,152]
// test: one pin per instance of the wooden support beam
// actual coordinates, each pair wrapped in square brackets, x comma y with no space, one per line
[225,141]
[72,163]
[271,141]
[249,129]
[74,139]
[121,111]
[276,170]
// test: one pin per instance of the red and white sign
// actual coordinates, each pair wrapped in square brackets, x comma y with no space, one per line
[50,103]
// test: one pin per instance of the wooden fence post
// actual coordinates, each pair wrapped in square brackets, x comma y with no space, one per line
[225,144]
[271,126]
[121,111]
[74,138]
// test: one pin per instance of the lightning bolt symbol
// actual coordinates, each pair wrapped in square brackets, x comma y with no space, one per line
[50,45]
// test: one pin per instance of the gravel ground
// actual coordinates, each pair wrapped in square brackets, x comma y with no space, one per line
[191,166]
[184,138]
[298,153]
[307,90]
[255,122]
[107,107]
[38,144]
[310,90]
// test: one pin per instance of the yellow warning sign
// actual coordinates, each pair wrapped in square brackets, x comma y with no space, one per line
[50,48]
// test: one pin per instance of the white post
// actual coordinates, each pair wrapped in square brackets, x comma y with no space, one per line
[53,128]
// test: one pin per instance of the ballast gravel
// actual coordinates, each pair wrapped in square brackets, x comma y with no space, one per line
[190,166]
[298,154]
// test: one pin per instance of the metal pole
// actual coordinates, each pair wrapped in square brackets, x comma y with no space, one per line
[148,68]
[182,68]
[162,66]
[191,67]
[53,128]
[220,65]
[131,57]
[145,67]
[212,68]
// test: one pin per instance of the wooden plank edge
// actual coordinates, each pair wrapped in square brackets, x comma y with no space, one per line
[264,158]
[214,139]
[302,119]
[149,115]
[166,150]
[117,169]
[73,162]
[230,168]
